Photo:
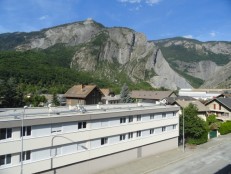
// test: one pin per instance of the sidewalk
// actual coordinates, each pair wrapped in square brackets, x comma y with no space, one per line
[147,164]
[154,162]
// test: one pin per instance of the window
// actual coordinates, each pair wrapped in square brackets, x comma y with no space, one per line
[130,119]
[5,133]
[174,126]
[138,117]
[26,131]
[104,141]
[56,128]
[138,134]
[122,137]
[82,125]
[219,107]
[214,106]
[130,135]
[5,159]
[123,120]
[151,116]
[163,115]
[163,129]
[25,155]
[174,114]
[151,131]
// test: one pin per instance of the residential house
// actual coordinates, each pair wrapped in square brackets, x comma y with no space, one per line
[83,95]
[202,109]
[171,100]
[224,95]
[151,96]
[220,107]
[109,97]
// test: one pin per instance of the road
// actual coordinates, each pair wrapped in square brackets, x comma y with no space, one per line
[212,157]
[209,158]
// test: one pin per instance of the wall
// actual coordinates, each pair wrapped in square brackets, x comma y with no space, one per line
[105,162]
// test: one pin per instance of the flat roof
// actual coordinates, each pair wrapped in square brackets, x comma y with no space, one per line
[62,111]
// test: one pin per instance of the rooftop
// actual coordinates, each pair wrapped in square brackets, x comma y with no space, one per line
[43,112]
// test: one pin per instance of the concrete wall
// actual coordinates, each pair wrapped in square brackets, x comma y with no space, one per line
[113,160]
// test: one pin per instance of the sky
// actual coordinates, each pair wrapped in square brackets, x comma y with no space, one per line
[204,20]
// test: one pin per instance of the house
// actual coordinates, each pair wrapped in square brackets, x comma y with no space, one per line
[202,109]
[220,107]
[60,140]
[171,100]
[109,97]
[83,95]
[151,96]
[224,95]
[105,91]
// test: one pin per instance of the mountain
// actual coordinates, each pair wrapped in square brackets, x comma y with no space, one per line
[203,64]
[117,55]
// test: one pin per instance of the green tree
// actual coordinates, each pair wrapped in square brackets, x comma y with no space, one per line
[124,94]
[10,93]
[55,100]
[211,119]
[195,128]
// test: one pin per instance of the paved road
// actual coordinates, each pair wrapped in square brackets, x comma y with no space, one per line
[206,159]
[209,158]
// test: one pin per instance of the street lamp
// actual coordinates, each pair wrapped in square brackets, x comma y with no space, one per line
[52,143]
[183,132]
[22,138]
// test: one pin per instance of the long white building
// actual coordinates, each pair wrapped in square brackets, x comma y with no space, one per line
[66,140]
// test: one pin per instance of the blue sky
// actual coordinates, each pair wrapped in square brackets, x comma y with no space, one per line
[204,20]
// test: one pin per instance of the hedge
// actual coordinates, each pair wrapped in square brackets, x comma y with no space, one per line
[225,128]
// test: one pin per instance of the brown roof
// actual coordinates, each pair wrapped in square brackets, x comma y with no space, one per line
[79,91]
[224,95]
[158,95]
[201,107]
[105,91]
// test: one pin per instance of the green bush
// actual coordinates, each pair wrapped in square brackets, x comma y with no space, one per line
[225,128]
[197,141]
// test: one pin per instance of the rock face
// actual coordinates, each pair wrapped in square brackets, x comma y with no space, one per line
[201,60]
[72,34]
[166,76]
[113,52]
[202,69]
[222,79]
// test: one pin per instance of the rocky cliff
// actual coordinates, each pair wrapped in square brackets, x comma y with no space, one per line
[198,62]
[111,52]
[117,52]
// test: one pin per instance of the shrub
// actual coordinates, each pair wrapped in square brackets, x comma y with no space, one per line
[225,128]
[197,141]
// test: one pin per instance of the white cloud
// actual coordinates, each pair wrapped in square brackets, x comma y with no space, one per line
[212,34]
[131,1]
[43,17]
[188,36]
[149,2]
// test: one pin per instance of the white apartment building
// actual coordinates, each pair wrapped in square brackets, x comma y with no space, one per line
[66,140]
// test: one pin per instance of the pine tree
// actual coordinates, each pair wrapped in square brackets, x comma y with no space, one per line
[124,94]
[55,100]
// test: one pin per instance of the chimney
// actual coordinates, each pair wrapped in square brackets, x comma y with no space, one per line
[82,86]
